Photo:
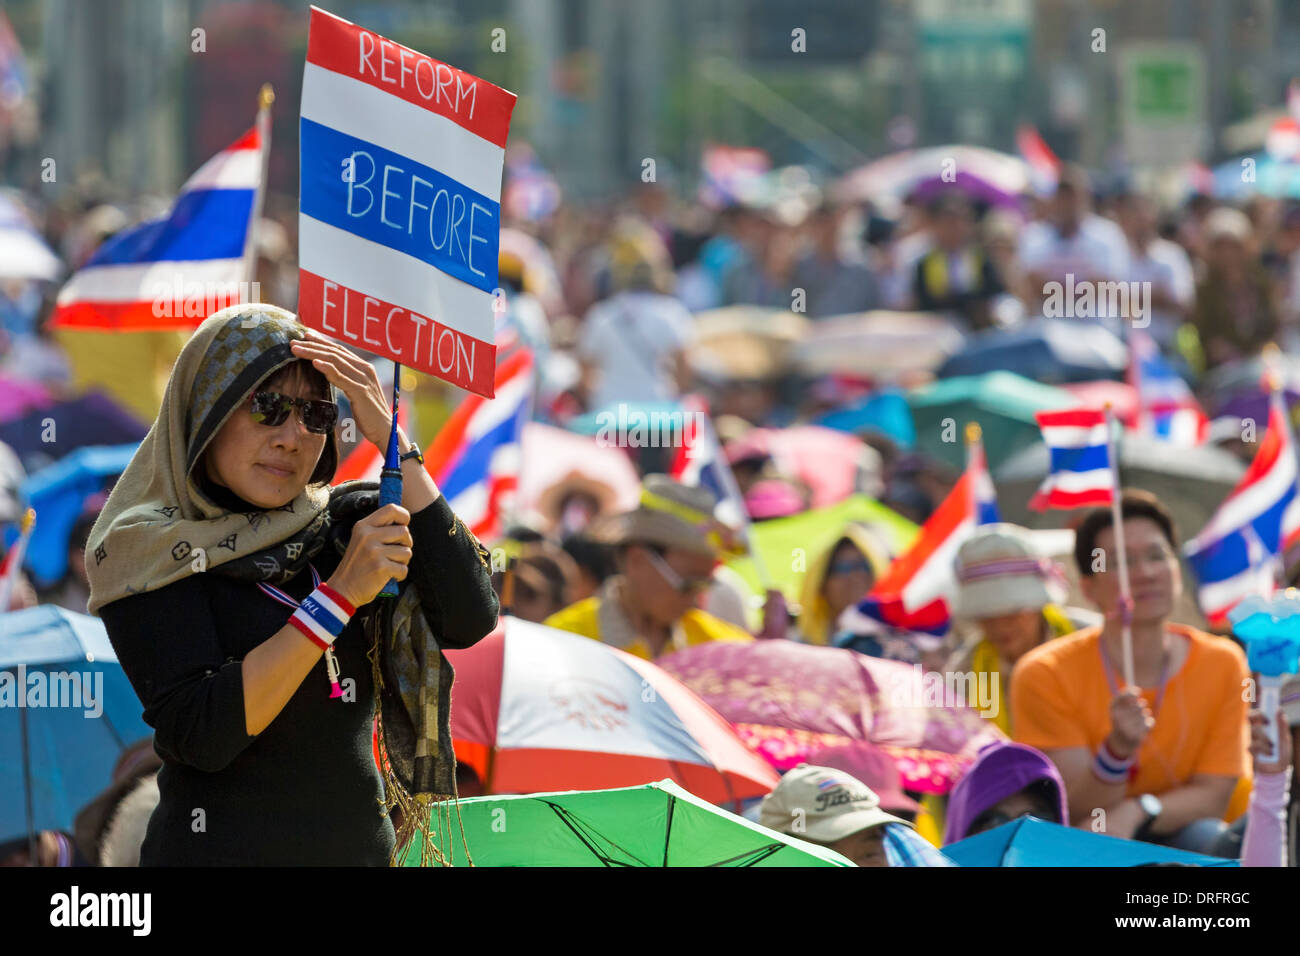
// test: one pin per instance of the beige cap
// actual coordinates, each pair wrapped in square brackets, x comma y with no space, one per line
[999,571]
[823,805]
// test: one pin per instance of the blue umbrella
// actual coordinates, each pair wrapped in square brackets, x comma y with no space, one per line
[885,412]
[1050,351]
[67,711]
[1279,178]
[1033,842]
[58,493]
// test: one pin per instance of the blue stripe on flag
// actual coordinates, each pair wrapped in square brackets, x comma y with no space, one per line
[986,512]
[1088,458]
[204,224]
[444,228]
[1222,559]
[472,467]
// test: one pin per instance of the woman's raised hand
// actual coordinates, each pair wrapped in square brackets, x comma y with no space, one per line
[380,549]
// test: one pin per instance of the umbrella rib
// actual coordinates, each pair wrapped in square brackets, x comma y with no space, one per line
[668,826]
[760,854]
[564,815]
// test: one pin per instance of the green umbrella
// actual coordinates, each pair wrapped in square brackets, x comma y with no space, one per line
[1003,404]
[788,545]
[657,824]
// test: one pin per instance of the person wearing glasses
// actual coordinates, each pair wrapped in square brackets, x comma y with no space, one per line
[667,549]
[239,588]
[1159,761]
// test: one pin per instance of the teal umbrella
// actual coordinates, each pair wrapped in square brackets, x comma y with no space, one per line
[657,824]
[1003,404]
[1029,841]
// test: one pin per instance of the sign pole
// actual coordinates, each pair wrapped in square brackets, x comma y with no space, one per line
[1117,522]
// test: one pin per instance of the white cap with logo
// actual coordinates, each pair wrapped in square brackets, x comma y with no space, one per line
[822,804]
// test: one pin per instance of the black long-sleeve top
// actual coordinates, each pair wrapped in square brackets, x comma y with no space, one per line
[305,791]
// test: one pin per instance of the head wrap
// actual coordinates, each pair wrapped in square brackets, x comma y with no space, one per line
[162,512]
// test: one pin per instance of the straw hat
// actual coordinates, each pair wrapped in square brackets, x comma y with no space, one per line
[999,572]
[671,515]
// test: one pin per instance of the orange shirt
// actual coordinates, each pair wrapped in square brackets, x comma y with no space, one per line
[1060,697]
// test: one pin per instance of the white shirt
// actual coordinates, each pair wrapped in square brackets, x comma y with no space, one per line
[631,337]
[1166,266]
[1097,250]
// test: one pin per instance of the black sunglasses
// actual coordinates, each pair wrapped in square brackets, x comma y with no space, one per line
[272,408]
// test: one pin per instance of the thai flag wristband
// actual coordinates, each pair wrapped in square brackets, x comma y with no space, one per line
[322,616]
[1109,768]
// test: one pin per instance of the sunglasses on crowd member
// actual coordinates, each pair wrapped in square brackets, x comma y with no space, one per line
[687,587]
[272,408]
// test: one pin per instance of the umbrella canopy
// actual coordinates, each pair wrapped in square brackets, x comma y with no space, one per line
[1051,351]
[58,493]
[811,532]
[1276,177]
[1190,482]
[658,824]
[744,341]
[884,413]
[560,459]
[1001,402]
[18,395]
[789,700]
[60,746]
[23,253]
[1033,842]
[91,419]
[881,344]
[833,464]
[983,174]
[539,709]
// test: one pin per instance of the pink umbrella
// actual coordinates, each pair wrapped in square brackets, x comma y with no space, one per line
[833,464]
[789,700]
[18,395]
[537,709]
[1121,395]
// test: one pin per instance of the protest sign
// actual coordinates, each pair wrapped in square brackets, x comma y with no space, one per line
[399,211]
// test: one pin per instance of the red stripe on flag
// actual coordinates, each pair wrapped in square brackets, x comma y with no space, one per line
[125,316]
[250,140]
[1071,417]
[452,434]
[1070,499]
[417,341]
[472,103]
[955,509]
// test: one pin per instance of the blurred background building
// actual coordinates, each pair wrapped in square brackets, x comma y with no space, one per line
[128,90]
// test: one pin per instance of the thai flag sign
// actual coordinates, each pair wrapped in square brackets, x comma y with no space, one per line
[399,212]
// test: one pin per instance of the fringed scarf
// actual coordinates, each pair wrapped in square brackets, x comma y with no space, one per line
[160,525]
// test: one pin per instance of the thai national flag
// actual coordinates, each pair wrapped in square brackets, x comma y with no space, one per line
[1044,166]
[1079,474]
[173,273]
[475,458]
[1166,407]
[915,591]
[699,461]
[1235,554]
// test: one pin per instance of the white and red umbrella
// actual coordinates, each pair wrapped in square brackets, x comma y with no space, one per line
[537,709]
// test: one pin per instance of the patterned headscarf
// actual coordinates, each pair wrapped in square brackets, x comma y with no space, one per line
[160,526]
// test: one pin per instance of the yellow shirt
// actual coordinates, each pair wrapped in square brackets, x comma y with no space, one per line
[986,661]
[695,627]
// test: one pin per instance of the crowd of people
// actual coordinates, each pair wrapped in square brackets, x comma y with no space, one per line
[608,297]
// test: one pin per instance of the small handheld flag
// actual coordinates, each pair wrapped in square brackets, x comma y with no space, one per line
[1079,474]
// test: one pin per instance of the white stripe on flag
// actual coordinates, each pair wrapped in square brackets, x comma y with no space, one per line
[1253,501]
[1073,436]
[471,505]
[1075,482]
[936,577]
[494,411]
[231,169]
[428,291]
[1220,595]
[146,281]
[358,109]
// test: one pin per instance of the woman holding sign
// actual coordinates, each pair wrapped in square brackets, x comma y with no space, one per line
[240,593]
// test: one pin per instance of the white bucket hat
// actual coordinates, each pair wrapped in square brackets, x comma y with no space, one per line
[1000,572]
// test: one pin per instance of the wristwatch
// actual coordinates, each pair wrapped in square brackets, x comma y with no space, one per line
[1152,807]
[413,453]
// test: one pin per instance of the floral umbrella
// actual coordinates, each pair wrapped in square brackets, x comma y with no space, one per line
[788,700]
